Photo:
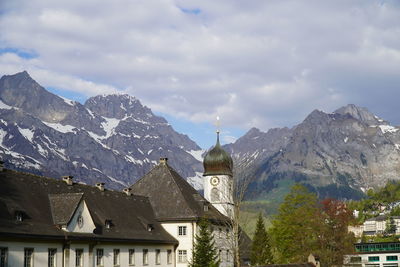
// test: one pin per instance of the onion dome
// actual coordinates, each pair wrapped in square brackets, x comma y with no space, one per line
[217,161]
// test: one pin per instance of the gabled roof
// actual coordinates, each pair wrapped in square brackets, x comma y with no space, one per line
[172,197]
[41,198]
[63,206]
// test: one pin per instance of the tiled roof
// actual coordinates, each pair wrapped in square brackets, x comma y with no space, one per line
[40,199]
[172,197]
[63,206]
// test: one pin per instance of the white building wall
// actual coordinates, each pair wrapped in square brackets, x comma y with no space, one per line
[40,255]
[222,241]
[383,262]
[225,191]
[88,224]
[185,242]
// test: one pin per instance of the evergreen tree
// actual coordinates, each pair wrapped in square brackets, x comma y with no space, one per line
[204,252]
[260,249]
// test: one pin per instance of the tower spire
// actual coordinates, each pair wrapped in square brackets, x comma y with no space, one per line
[218,124]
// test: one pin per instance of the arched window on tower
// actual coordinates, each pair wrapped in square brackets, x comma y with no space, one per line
[214,194]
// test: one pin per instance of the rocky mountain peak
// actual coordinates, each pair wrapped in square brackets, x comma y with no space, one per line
[120,106]
[360,113]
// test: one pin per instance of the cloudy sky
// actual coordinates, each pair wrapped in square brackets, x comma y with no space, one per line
[258,63]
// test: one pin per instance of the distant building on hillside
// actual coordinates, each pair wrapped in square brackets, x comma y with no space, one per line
[374,255]
[379,224]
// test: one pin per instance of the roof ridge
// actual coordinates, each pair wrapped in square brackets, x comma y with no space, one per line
[194,211]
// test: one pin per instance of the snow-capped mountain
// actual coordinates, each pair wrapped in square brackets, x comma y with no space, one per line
[339,154]
[111,138]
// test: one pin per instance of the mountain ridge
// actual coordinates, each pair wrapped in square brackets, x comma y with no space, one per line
[46,134]
[339,154]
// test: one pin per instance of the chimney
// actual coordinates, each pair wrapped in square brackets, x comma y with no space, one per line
[1,165]
[127,191]
[100,186]
[68,179]
[163,161]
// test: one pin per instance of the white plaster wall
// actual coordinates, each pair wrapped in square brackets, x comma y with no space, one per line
[124,254]
[40,256]
[370,226]
[382,259]
[225,205]
[224,242]
[40,253]
[185,242]
[88,225]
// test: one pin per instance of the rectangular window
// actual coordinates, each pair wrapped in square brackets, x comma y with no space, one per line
[28,257]
[373,258]
[78,257]
[116,257]
[3,257]
[220,233]
[52,257]
[391,258]
[220,254]
[100,257]
[182,256]
[145,257]
[228,258]
[158,256]
[169,256]
[355,259]
[131,257]
[181,230]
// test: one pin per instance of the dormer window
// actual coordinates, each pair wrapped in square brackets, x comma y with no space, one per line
[150,227]
[19,216]
[108,224]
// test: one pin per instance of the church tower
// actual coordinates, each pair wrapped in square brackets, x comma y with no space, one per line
[218,179]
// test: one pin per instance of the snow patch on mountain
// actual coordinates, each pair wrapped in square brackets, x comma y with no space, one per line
[60,128]
[197,154]
[196,181]
[4,106]
[27,133]
[109,126]
[388,129]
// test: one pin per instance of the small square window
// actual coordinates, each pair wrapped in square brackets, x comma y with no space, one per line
[182,230]
[182,256]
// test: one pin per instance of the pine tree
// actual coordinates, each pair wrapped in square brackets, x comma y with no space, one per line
[260,249]
[204,251]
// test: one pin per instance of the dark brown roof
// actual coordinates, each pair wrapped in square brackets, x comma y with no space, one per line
[172,197]
[63,206]
[40,200]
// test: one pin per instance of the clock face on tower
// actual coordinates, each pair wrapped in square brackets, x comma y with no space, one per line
[214,181]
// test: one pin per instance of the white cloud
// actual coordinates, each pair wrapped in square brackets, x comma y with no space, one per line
[257,63]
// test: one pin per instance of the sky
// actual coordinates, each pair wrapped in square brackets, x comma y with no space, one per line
[258,63]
